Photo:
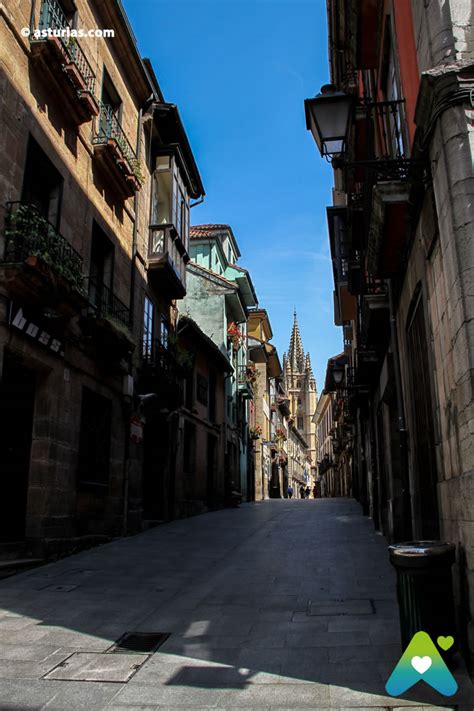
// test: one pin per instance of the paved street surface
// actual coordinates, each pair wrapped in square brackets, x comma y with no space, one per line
[249,599]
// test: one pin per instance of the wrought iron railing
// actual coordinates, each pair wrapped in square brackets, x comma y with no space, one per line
[29,234]
[52,16]
[389,122]
[106,303]
[110,128]
[159,358]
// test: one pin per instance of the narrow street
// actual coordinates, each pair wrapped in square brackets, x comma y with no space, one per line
[248,598]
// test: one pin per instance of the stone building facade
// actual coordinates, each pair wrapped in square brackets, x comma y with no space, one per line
[88,281]
[401,241]
[220,295]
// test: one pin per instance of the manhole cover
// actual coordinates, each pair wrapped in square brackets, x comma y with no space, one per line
[139,642]
[340,607]
[95,666]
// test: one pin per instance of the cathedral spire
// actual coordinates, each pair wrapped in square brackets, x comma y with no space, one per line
[295,352]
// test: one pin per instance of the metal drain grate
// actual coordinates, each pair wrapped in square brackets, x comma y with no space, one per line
[138,643]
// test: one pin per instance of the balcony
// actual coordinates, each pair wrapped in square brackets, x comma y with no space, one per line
[113,149]
[246,381]
[107,323]
[167,260]
[162,373]
[40,267]
[64,60]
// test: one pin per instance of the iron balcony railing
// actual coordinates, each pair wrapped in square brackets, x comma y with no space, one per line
[110,128]
[29,234]
[157,358]
[52,16]
[106,303]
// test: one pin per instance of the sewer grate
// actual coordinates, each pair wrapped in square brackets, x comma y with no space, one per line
[138,643]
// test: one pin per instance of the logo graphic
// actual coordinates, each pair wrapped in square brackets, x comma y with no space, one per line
[421,661]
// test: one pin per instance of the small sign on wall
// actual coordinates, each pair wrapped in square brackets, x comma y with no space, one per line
[136,430]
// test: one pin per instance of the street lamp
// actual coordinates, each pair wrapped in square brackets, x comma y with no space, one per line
[338,374]
[328,117]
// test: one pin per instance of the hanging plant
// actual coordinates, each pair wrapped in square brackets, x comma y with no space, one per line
[235,335]
[255,432]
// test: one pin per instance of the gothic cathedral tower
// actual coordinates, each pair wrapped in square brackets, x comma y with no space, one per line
[300,385]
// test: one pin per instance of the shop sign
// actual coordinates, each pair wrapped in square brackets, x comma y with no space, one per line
[34,329]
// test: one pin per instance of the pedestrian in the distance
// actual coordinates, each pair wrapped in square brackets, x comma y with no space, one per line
[302,491]
[315,491]
[307,492]
[290,491]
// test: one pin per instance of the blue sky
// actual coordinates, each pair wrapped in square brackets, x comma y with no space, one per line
[239,71]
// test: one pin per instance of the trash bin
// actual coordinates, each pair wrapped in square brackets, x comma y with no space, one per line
[425,589]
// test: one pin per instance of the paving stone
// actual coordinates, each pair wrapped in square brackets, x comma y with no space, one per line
[89,666]
[228,615]
[340,607]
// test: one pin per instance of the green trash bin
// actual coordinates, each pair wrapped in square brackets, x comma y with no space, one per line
[425,590]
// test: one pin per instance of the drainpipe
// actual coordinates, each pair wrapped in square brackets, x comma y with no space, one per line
[406,502]
[135,225]
[32,16]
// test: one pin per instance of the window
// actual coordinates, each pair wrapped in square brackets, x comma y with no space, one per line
[170,204]
[110,96]
[298,383]
[148,323]
[94,442]
[101,271]
[42,184]
[300,423]
[164,331]
[392,119]
[111,113]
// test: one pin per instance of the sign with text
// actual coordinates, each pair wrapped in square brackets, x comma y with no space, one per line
[34,328]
